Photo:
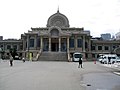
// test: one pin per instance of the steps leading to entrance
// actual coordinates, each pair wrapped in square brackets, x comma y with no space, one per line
[53,56]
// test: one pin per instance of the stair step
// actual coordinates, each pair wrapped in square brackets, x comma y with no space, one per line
[53,56]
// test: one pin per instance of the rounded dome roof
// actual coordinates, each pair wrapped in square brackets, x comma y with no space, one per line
[58,19]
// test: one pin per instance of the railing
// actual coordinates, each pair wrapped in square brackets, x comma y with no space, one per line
[69,58]
[37,56]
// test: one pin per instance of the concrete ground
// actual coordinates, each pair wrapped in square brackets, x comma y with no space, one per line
[44,75]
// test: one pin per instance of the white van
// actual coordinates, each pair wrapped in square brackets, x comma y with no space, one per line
[118,60]
[76,56]
[105,60]
[100,58]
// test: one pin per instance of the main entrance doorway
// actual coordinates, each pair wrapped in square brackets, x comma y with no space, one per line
[55,44]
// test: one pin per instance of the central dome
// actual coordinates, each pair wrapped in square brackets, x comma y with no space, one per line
[58,19]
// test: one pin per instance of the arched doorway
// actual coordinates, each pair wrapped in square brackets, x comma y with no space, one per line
[54,39]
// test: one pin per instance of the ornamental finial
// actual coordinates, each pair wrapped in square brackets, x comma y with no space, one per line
[58,10]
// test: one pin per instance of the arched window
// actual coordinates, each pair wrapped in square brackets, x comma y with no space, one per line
[54,32]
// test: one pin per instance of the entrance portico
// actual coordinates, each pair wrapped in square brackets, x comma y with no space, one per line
[55,40]
[58,44]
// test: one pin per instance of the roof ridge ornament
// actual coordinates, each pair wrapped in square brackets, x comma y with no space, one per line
[58,10]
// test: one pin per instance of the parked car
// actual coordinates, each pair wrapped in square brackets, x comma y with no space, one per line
[76,56]
[100,59]
[118,60]
[108,58]
[17,58]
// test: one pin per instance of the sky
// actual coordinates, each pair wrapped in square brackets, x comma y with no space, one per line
[97,16]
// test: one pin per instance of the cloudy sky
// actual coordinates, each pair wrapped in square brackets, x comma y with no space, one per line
[98,16]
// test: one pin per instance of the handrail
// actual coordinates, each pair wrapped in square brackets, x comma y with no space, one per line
[38,54]
[68,54]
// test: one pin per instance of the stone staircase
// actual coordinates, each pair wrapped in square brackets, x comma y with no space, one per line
[53,56]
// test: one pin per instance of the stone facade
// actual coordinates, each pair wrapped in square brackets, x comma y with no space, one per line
[58,37]
[118,36]
[7,44]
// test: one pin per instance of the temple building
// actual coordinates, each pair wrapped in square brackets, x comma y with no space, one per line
[58,41]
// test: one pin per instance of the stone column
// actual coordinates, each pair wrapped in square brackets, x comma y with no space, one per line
[24,44]
[27,42]
[83,43]
[89,49]
[41,43]
[89,45]
[49,44]
[59,44]
[35,42]
[75,42]
[102,47]
[67,44]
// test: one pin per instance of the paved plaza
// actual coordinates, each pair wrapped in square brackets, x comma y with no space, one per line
[46,75]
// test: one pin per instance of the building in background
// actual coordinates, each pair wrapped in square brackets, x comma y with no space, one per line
[8,44]
[117,35]
[1,37]
[106,36]
[58,41]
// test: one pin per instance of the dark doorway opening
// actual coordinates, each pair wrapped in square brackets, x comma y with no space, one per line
[55,45]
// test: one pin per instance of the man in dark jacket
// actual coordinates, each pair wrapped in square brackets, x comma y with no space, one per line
[80,62]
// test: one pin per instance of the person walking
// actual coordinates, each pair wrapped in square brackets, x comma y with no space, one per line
[23,59]
[80,63]
[11,61]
